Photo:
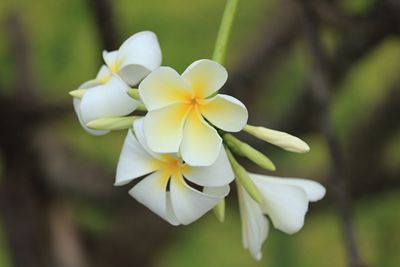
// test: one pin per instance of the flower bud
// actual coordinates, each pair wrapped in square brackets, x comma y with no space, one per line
[78,93]
[219,210]
[249,152]
[281,139]
[116,123]
[134,93]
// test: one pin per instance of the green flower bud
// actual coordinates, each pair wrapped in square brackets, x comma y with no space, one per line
[134,93]
[219,210]
[249,152]
[115,123]
[78,93]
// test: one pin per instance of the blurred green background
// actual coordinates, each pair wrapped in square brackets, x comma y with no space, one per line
[66,50]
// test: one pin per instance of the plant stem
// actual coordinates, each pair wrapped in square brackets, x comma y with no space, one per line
[224,31]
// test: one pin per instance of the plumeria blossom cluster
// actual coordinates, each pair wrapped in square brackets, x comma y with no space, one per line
[179,151]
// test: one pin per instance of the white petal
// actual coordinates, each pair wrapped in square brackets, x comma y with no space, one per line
[90,84]
[206,77]
[110,58]
[140,136]
[152,192]
[190,204]
[102,77]
[218,174]
[103,72]
[77,103]
[225,112]
[314,190]
[108,100]
[201,143]
[164,87]
[134,161]
[139,55]
[163,128]
[286,205]
[255,226]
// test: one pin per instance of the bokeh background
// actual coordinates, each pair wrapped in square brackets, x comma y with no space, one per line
[327,71]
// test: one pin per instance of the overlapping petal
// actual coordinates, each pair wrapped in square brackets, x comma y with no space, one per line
[138,56]
[77,103]
[134,161]
[110,58]
[135,59]
[205,76]
[284,200]
[314,190]
[141,138]
[164,87]
[107,100]
[152,192]
[201,143]
[225,112]
[218,174]
[255,226]
[285,204]
[180,204]
[190,204]
[164,128]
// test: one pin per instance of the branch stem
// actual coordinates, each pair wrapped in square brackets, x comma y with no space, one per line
[224,31]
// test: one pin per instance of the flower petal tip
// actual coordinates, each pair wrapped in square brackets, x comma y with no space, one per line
[78,93]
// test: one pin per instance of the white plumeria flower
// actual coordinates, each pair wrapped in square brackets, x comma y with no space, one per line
[179,106]
[102,101]
[284,200]
[106,95]
[164,190]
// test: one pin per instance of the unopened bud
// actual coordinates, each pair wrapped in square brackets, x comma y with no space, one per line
[114,123]
[281,139]
[134,93]
[249,152]
[78,93]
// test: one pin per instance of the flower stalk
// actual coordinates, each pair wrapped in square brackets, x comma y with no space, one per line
[224,31]
[243,178]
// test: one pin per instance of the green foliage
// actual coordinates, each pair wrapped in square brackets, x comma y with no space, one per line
[65,49]
[366,85]
[210,243]
[4,253]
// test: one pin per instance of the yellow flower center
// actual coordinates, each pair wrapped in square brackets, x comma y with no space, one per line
[104,79]
[172,168]
[114,68]
[171,164]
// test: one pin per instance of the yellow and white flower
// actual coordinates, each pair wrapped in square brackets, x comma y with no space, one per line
[102,101]
[179,106]
[284,201]
[165,189]
[106,95]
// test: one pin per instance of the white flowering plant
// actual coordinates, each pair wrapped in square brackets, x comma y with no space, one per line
[180,150]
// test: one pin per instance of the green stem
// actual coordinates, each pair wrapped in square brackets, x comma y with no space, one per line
[243,177]
[224,31]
